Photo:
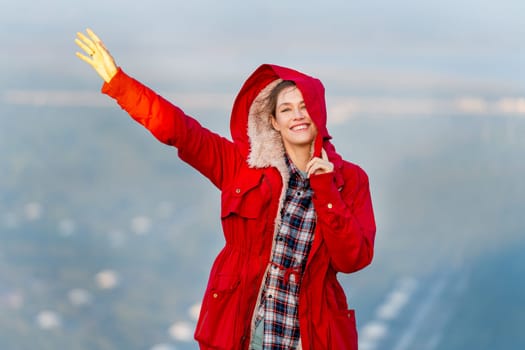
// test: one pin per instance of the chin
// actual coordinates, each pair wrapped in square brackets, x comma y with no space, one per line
[301,143]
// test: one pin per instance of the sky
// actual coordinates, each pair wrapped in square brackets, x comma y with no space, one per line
[165,41]
[412,57]
[395,72]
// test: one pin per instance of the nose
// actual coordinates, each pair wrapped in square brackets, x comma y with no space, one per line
[298,114]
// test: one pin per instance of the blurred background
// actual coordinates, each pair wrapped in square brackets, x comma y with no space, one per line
[106,237]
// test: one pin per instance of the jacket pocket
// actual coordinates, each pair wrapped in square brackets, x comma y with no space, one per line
[244,197]
[216,327]
[343,332]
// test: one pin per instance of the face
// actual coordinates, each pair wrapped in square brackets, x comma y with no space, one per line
[292,120]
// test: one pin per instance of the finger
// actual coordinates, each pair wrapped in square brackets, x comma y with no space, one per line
[314,170]
[308,172]
[84,47]
[312,166]
[87,41]
[309,165]
[84,58]
[98,42]
[93,36]
[323,154]
[318,165]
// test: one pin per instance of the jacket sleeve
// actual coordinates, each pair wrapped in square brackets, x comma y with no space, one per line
[204,150]
[346,219]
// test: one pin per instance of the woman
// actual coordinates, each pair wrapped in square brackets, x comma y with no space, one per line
[293,212]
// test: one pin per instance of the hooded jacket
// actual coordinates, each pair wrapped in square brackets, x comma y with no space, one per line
[251,173]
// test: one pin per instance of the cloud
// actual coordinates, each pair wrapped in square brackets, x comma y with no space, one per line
[340,107]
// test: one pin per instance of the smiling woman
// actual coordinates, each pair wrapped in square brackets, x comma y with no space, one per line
[291,119]
[294,213]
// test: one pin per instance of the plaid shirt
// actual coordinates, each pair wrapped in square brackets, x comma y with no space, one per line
[279,300]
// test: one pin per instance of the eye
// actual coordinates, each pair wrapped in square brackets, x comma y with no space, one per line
[286,109]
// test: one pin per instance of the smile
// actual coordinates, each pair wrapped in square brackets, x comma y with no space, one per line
[299,127]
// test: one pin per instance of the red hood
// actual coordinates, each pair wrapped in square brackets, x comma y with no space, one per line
[311,88]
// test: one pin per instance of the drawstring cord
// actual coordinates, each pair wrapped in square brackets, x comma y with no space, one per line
[289,271]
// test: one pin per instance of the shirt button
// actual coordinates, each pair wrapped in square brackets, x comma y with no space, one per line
[237,190]
[329,205]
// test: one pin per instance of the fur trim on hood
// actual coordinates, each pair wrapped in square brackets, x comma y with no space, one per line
[266,145]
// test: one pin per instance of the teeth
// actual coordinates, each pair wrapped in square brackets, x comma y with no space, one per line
[299,127]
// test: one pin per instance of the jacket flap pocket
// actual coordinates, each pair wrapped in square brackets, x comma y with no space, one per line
[225,282]
[244,197]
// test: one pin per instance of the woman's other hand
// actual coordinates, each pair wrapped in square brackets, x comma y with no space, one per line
[318,165]
[96,55]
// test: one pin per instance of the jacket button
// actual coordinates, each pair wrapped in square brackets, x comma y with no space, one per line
[237,190]
[329,205]
[215,295]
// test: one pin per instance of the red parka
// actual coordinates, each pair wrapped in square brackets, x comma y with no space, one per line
[251,173]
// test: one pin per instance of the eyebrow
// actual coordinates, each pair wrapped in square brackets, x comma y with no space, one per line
[289,103]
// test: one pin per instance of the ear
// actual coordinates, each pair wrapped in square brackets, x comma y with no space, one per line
[274,123]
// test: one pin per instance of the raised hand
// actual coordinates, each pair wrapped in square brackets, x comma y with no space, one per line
[96,55]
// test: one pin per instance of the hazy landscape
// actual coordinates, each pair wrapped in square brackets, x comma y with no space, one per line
[107,237]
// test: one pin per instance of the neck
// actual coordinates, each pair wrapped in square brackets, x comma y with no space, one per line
[299,156]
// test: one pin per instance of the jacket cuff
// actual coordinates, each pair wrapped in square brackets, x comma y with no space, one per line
[326,193]
[322,182]
[112,88]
